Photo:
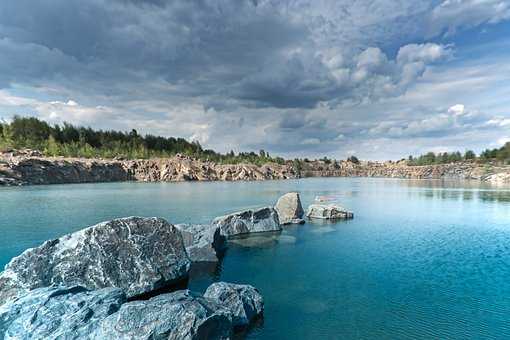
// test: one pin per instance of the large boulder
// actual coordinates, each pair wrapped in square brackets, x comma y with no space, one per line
[203,242]
[328,211]
[249,221]
[244,301]
[289,209]
[58,312]
[136,254]
[178,315]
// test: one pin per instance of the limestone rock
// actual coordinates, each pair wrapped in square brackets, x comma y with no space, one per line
[136,254]
[244,301]
[328,211]
[289,208]
[58,312]
[249,221]
[498,179]
[203,242]
[175,316]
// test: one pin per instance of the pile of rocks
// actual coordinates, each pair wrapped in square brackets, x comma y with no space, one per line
[108,281]
[75,312]
[94,283]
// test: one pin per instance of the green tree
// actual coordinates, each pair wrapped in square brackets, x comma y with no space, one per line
[469,154]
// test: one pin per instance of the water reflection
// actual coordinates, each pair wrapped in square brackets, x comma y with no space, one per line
[455,190]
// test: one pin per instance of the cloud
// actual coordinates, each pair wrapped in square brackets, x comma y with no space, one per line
[239,74]
[451,15]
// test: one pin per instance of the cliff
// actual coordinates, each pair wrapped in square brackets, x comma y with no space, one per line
[24,167]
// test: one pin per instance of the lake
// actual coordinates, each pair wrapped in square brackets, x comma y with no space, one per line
[421,259]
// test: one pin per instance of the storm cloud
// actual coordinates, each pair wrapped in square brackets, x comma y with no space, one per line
[292,77]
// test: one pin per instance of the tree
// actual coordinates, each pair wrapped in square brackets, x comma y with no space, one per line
[353,159]
[469,154]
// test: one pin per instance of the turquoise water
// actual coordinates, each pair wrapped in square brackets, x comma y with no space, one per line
[421,259]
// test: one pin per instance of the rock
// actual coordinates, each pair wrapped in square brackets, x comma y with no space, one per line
[178,315]
[328,211]
[244,301]
[136,254]
[498,179]
[58,312]
[249,221]
[289,209]
[203,242]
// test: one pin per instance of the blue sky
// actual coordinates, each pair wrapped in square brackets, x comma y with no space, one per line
[379,79]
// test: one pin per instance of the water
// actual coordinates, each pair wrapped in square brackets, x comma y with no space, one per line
[421,259]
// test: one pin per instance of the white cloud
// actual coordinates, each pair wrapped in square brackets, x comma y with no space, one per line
[452,15]
[457,109]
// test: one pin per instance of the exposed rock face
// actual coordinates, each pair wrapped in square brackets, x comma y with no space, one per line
[203,242]
[136,254]
[176,316]
[499,179]
[58,313]
[244,301]
[21,167]
[328,211]
[289,209]
[249,221]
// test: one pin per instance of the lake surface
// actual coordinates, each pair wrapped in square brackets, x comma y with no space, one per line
[421,259]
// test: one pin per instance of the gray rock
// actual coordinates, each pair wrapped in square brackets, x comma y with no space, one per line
[178,315]
[289,208]
[203,242]
[244,301]
[328,211]
[249,221]
[136,254]
[58,312]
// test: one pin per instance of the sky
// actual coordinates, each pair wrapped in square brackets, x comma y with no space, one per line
[378,79]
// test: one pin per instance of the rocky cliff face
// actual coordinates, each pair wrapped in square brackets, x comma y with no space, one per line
[30,167]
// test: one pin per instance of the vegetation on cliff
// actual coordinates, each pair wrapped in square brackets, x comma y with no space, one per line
[73,141]
[501,154]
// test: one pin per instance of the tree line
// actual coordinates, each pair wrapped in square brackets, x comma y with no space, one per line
[501,155]
[77,141]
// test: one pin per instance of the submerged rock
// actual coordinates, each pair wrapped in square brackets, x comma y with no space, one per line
[249,221]
[178,315]
[58,312]
[244,301]
[136,254]
[289,209]
[328,211]
[203,242]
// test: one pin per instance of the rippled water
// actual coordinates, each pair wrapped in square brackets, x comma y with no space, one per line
[421,259]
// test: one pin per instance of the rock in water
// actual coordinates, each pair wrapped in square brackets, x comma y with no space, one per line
[289,209]
[178,315]
[249,221]
[58,313]
[244,301]
[328,211]
[203,242]
[136,254]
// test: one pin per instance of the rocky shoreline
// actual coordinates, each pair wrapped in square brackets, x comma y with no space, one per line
[118,279]
[28,167]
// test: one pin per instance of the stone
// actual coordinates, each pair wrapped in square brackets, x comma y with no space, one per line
[498,179]
[328,211]
[203,242]
[58,312]
[244,301]
[136,254]
[289,209]
[249,221]
[178,315]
